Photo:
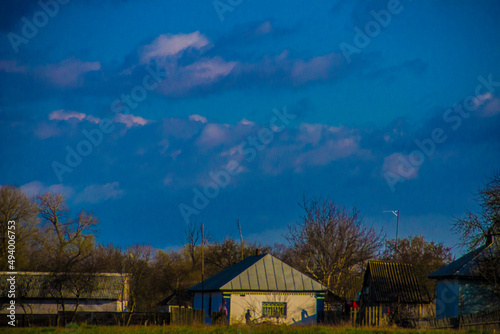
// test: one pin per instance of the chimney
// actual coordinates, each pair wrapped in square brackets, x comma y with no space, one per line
[257,251]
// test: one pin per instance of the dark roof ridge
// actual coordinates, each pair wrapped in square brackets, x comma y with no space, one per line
[460,263]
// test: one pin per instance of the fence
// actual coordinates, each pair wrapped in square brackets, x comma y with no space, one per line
[177,316]
[186,316]
[219,318]
[369,316]
[484,321]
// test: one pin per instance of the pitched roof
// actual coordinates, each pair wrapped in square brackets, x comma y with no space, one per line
[43,285]
[467,265]
[394,282]
[260,273]
[179,298]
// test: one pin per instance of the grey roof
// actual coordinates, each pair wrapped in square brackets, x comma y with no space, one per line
[42,285]
[466,266]
[260,273]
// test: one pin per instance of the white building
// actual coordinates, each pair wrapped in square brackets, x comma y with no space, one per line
[266,288]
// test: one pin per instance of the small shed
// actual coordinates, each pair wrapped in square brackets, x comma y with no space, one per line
[395,287]
[176,299]
[460,286]
[264,288]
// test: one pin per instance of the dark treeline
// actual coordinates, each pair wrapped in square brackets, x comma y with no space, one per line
[330,243]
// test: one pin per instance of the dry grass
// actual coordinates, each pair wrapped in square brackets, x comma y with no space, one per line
[267,329]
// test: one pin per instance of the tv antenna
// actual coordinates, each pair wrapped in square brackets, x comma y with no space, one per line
[396,213]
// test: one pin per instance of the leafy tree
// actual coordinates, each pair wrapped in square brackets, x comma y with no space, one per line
[332,245]
[424,256]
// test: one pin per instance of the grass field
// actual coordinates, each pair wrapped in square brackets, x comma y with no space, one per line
[220,330]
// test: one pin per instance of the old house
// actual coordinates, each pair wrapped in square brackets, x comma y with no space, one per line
[395,287]
[49,293]
[261,288]
[467,285]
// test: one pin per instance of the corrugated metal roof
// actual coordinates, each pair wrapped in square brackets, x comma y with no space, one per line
[260,273]
[394,282]
[40,285]
[466,266]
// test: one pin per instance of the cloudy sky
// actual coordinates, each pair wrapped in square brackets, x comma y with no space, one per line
[153,114]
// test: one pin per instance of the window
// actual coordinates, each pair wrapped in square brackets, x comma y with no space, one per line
[273,309]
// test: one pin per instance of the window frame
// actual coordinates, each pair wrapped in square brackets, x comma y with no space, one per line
[270,309]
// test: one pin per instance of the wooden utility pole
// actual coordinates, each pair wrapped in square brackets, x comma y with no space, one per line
[241,239]
[202,269]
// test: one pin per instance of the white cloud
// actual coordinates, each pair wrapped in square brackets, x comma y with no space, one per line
[400,165]
[245,121]
[65,115]
[198,118]
[130,120]
[100,192]
[37,188]
[69,72]
[10,66]
[171,45]
[213,135]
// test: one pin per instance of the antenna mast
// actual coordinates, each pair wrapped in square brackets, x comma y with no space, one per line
[241,238]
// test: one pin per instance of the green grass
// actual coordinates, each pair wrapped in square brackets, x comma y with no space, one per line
[268,329]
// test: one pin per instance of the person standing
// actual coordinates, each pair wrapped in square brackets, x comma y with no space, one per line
[223,311]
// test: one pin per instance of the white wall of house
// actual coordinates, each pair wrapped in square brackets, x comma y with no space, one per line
[51,306]
[447,292]
[301,307]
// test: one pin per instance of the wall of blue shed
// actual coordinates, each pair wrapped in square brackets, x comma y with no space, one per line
[447,293]
[212,302]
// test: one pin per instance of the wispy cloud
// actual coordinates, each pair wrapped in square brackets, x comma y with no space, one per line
[68,73]
[198,118]
[35,188]
[171,45]
[130,120]
[100,192]
[11,66]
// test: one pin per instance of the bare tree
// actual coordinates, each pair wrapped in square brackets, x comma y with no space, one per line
[16,206]
[69,243]
[484,228]
[475,228]
[70,240]
[332,245]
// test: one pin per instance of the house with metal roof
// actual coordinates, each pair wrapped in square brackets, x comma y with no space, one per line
[395,287]
[49,293]
[261,288]
[462,287]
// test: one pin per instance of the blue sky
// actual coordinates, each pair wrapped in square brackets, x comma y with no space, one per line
[382,105]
